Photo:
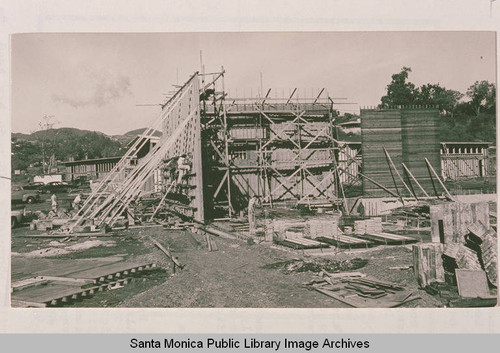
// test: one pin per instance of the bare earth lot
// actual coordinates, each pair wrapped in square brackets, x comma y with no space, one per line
[236,275]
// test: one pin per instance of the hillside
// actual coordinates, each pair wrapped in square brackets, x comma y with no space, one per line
[126,137]
[63,143]
[66,143]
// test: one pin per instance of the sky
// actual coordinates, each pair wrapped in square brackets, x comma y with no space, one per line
[100,82]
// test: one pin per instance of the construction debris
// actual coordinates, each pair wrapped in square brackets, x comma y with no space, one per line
[427,263]
[364,292]
[326,266]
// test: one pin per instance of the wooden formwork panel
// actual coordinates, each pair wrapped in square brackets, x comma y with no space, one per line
[189,142]
[450,221]
[409,136]
[420,134]
[380,129]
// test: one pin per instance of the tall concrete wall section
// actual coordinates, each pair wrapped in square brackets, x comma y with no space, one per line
[420,134]
[409,135]
[380,129]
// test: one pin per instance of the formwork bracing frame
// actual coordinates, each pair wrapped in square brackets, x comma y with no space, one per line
[179,122]
[280,149]
[292,148]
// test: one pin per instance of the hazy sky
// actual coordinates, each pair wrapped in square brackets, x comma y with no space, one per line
[95,81]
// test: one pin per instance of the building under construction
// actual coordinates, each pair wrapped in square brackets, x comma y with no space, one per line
[281,150]
[274,170]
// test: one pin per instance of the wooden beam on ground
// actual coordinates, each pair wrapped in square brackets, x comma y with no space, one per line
[166,252]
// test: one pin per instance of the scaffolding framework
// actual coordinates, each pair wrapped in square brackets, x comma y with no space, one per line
[279,149]
[283,150]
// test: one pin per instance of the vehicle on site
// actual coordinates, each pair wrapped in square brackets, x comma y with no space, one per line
[57,186]
[18,194]
[34,186]
[17,217]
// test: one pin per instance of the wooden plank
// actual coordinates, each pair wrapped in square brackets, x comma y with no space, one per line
[65,235]
[344,274]
[472,283]
[14,303]
[26,283]
[336,297]
[55,267]
[45,294]
[112,269]
[389,238]
[166,252]
[297,244]
[67,280]
[345,241]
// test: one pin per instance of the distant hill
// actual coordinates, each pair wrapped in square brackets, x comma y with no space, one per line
[126,137]
[66,143]
[63,143]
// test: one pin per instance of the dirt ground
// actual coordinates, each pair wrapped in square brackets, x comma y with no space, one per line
[237,275]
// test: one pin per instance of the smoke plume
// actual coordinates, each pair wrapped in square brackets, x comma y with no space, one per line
[92,87]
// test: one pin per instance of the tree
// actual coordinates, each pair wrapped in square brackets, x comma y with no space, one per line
[399,91]
[482,96]
[470,120]
[433,94]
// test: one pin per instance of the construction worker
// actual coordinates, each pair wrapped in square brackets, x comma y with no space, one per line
[182,168]
[252,204]
[53,200]
[76,202]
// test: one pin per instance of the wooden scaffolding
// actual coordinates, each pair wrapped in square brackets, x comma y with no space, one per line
[279,149]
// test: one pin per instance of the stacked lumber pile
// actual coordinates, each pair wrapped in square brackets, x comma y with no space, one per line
[285,226]
[323,227]
[368,226]
[357,290]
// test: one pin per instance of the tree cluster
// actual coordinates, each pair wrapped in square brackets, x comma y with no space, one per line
[464,117]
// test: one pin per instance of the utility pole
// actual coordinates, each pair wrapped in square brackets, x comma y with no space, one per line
[46,124]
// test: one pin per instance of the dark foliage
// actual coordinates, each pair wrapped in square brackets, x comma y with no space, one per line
[472,119]
[63,144]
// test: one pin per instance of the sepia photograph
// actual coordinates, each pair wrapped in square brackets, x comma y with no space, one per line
[254,170]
